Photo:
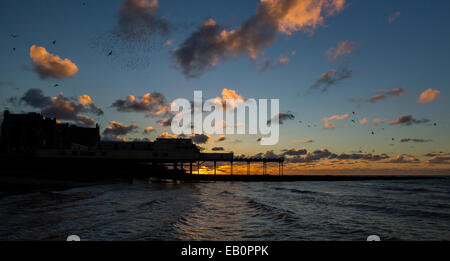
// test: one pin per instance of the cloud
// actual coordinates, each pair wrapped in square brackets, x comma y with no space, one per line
[221,138]
[331,78]
[306,141]
[304,156]
[218,149]
[363,121]
[281,118]
[62,108]
[428,96]
[402,159]
[415,140]
[283,60]
[84,121]
[149,130]
[168,43]
[47,65]
[116,130]
[138,20]
[383,94]
[269,154]
[359,156]
[377,121]
[343,48]
[408,120]
[212,43]
[393,17]
[336,117]
[200,138]
[166,135]
[439,160]
[36,98]
[232,97]
[154,104]
[295,152]
[165,122]
[329,126]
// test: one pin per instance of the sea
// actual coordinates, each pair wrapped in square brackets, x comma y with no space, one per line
[411,210]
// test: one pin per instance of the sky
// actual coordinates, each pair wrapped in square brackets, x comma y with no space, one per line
[362,84]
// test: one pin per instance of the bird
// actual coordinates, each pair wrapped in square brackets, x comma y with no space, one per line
[56,85]
[353,113]
[14,35]
[393,139]
[373,133]
[435,124]
[54,42]
[14,49]
[110,53]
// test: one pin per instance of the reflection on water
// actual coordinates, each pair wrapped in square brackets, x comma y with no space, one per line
[395,210]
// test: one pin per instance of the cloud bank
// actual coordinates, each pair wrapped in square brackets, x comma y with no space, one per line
[212,42]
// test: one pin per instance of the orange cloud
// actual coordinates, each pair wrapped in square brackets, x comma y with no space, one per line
[221,138]
[148,130]
[283,60]
[233,98]
[301,15]
[213,42]
[428,96]
[329,126]
[48,65]
[336,117]
[343,48]
[153,104]
[363,121]
[166,135]
[378,121]
[85,100]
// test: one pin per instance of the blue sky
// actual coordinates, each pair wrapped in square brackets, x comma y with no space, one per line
[410,52]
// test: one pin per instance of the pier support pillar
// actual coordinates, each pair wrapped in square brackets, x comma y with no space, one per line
[190,168]
[231,170]
[248,168]
[215,168]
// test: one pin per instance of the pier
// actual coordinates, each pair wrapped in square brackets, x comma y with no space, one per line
[229,157]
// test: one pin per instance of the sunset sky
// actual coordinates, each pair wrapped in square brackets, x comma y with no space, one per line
[365,80]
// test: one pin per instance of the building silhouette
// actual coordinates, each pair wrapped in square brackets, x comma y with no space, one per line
[25,133]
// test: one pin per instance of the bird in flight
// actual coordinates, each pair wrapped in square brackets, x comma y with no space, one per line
[14,35]
[54,42]
[110,53]
[56,85]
